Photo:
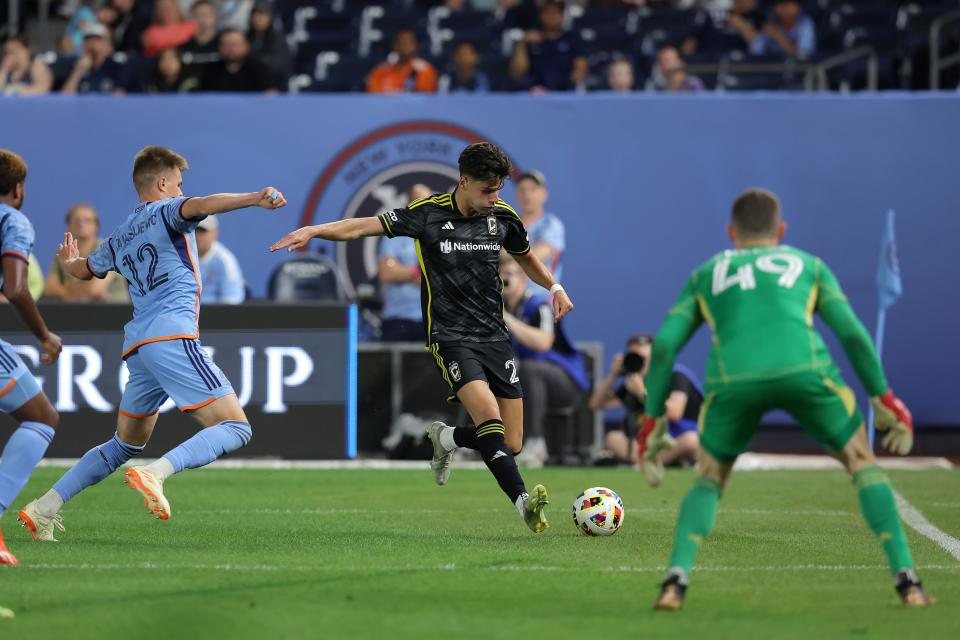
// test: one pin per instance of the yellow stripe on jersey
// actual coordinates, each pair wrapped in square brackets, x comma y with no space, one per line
[705,312]
[501,203]
[443,367]
[386,223]
[426,279]
[846,395]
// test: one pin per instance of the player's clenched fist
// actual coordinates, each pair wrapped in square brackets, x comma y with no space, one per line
[294,240]
[893,417]
[271,198]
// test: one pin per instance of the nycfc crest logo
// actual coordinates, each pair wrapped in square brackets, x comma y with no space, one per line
[492,227]
[446,246]
[455,371]
[374,174]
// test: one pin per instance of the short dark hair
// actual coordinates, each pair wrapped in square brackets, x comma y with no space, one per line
[756,212]
[227,31]
[151,162]
[484,161]
[200,3]
[559,5]
[639,339]
[13,171]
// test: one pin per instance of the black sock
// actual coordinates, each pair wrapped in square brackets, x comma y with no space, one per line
[498,458]
[465,437]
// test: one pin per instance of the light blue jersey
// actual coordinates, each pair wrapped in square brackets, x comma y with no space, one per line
[17,384]
[401,299]
[222,278]
[16,235]
[156,251]
[549,228]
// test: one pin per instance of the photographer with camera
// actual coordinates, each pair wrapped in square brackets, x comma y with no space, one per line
[683,404]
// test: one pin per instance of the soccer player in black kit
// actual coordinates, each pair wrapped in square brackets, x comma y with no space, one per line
[459,237]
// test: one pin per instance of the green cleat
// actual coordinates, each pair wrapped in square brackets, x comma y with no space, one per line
[533,515]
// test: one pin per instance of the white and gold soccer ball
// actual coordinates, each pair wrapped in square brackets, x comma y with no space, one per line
[598,511]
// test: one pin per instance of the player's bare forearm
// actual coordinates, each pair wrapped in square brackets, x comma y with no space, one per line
[77,267]
[18,294]
[531,337]
[533,266]
[349,229]
[266,198]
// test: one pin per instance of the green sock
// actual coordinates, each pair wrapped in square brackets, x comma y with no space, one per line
[698,513]
[880,511]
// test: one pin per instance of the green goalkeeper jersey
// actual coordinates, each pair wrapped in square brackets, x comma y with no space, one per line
[759,303]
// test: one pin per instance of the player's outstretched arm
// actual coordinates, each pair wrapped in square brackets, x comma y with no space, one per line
[891,413]
[538,272]
[350,229]
[68,253]
[16,290]
[266,198]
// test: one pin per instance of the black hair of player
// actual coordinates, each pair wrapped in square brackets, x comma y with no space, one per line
[13,171]
[484,161]
[756,212]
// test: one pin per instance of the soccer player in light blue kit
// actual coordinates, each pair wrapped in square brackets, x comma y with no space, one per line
[20,395]
[155,250]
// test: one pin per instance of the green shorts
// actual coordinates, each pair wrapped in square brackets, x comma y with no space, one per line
[821,402]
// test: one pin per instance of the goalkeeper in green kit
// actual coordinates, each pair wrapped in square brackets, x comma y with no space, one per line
[759,301]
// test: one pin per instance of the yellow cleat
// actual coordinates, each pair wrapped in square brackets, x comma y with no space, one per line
[533,515]
[151,488]
[41,527]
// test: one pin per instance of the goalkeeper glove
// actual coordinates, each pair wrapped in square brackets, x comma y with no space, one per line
[892,416]
[651,440]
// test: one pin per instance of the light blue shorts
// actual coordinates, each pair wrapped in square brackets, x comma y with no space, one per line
[180,369]
[17,384]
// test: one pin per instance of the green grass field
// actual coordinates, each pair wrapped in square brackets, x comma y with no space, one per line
[386,554]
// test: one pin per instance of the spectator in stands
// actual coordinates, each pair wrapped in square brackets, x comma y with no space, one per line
[125,24]
[22,73]
[734,30]
[620,76]
[403,71]
[268,42]
[683,404]
[547,234]
[84,224]
[169,28]
[465,77]
[169,75]
[235,14]
[203,47]
[220,272]
[549,59]
[553,371]
[788,32]
[399,274]
[237,71]
[669,74]
[96,71]
[83,16]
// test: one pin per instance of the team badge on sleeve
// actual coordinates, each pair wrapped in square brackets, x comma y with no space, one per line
[493,228]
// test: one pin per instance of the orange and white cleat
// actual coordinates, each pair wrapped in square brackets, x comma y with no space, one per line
[151,488]
[41,527]
[6,557]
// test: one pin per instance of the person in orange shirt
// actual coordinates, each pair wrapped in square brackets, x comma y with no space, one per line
[169,28]
[403,71]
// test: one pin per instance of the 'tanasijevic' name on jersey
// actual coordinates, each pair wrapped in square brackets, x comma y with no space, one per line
[460,259]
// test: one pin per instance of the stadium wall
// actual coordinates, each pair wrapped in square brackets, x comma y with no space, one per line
[643,183]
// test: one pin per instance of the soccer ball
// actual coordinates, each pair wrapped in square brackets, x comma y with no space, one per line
[598,511]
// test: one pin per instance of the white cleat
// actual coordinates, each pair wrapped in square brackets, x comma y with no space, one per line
[440,464]
[41,527]
[151,488]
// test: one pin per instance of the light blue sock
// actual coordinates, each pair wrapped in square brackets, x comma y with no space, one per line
[95,465]
[210,444]
[23,451]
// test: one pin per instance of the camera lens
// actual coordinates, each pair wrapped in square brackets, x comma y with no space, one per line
[633,363]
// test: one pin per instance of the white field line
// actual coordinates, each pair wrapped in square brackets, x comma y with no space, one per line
[746,462]
[918,522]
[329,511]
[156,566]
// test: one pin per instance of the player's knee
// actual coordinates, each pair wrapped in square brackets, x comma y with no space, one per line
[243,430]
[515,442]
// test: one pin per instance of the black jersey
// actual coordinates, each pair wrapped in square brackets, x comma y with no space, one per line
[460,261]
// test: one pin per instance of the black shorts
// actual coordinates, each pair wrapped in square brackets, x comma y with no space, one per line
[493,362]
